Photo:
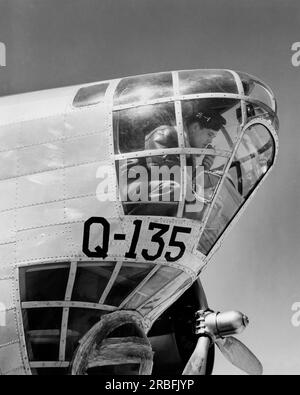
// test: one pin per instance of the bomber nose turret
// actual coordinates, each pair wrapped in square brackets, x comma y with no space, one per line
[116,196]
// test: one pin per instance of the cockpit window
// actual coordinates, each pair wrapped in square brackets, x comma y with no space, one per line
[210,129]
[254,156]
[257,91]
[156,127]
[201,186]
[150,185]
[206,81]
[90,95]
[144,128]
[143,88]
[261,110]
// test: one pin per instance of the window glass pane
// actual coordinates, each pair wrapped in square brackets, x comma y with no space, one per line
[90,282]
[151,304]
[254,157]
[203,177]
[262,111]
[200,192]
[128,279]
[224,209]
[142,88]
[46,284]
[211,123]
[256,90]
[80,322]
[150,185]
[90,95]
[206,81]
[161,278]
[45,348]
[44,318]
[260,93]
[137,129]
[42,331]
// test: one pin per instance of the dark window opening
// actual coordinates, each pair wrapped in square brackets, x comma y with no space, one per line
[80,322]
[91,282]
[90,95]
[43,333]
[128,279]
[46,284]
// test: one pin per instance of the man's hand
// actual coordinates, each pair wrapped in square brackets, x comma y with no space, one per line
[208,161]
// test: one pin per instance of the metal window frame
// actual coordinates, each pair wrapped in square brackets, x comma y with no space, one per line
[177,99]
[234,220]
[66,304]
[85,87]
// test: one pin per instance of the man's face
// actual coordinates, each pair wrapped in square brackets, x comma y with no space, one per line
[200,138]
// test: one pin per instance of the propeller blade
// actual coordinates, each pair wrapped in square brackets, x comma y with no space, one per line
[198,360]
[200,295]
[239,355]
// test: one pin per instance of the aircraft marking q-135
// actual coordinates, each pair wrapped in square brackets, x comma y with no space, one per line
[114,197]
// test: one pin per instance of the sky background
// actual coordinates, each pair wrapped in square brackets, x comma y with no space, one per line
[53,43]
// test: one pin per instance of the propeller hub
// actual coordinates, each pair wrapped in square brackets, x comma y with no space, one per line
[216,324]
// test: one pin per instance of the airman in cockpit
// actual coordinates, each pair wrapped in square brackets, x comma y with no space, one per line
[201,129]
